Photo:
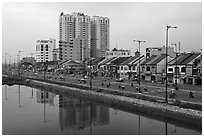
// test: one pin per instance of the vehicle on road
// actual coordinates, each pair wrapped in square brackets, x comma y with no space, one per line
[135,79]
[119,80]
[61,77]
[86,77]
[82,80]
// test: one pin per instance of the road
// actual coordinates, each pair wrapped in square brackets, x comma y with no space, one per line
[155,89]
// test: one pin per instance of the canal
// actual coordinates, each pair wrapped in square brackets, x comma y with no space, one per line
[29,111]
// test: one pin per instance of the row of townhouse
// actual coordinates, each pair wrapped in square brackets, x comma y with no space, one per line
[184,68]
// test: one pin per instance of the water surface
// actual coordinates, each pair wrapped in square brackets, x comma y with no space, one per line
[30,111]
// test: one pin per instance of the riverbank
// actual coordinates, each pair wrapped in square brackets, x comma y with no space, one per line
[120,99]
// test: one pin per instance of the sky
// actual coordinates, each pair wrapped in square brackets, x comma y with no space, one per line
[24,23]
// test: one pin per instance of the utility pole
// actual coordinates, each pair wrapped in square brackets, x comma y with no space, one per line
[168,27]
[19,54]
[5,60]
[139,41]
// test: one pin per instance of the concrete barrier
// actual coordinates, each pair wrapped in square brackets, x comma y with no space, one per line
[158,109]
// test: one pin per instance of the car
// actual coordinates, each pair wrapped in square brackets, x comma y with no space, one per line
[119,80]
[61,77]
[135,79]
[35,74]
[82,80]
[86,77]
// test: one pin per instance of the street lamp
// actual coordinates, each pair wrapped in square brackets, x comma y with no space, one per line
[5,60]
[167,28]
[139,41]
[19,54]
[90,75]
[9,63]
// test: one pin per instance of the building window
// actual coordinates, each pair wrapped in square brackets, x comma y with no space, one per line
[121,67]
[176,69]
[170,69]
[183,69]
[148,68]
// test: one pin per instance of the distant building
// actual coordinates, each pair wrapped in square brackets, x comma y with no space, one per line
[100,36]
[74,36]
[159,50]
[118,53]
[30,60]
[44,50]
[56,54]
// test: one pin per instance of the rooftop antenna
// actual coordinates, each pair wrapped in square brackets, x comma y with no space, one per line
[116,45]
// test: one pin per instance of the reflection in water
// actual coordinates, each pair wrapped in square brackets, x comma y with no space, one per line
[45,97]
[5,92]
[32,92]
[19,96]
[77,114]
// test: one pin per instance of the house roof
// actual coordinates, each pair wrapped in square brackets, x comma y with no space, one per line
[69,61]
[190,58]
[119,60]
[185,56]
[107,60]
[158,59]
[148,59]
[130,60]
[134,62]
[173,61]
[152,60]
[183,59]
[97,60]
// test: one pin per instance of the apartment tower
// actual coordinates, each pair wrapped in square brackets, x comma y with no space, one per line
[99,36]
[74,36]
[44,50]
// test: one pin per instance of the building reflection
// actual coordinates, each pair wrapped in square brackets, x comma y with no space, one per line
[45,97]
[76,114]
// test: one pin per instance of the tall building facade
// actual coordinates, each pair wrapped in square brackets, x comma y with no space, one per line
[100,33]
[82,36]
[44,50]
[55,54]
[74,36]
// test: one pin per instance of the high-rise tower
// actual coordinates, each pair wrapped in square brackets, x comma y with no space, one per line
[99,36]
[74,36]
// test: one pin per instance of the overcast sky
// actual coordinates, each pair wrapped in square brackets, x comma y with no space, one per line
[24,23]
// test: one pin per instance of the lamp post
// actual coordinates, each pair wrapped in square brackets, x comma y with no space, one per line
[19,54]
[5,60]
[9,63]
[90,68]
[139,41]
[167,28]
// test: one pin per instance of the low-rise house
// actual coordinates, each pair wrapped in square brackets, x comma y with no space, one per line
[153,68]
[182,68]
[114,66]
[70,66]
[129,68]
[103,67]
[95,64]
